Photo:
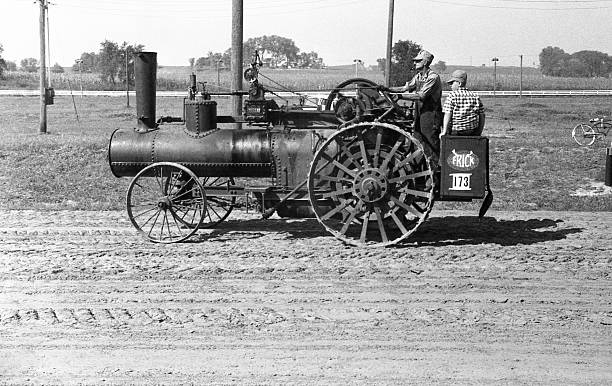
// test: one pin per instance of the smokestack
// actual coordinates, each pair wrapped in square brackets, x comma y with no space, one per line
[145,71]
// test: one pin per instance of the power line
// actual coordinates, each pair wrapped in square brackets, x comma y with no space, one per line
[572,8]
[557,1]
[162,9]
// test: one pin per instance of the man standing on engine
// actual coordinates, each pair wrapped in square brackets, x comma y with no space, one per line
[426,89]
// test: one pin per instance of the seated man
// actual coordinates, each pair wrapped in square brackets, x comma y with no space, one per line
[463,110]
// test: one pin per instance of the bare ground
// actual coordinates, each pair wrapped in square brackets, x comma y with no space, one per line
[519,297]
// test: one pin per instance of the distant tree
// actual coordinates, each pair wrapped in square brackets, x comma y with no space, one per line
[212,59]
[29,64]
[129,51]
[440,67]
[274,51]
[109,61]
[309,60]
[88,62]
[3,65]
[201,62]
[574,67]
[11,66]
[57,69]
[556,62]
[553,61]
[595,63]
[280,50]
[191,63]
[402,54]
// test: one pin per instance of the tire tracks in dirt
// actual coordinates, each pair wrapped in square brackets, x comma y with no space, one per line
[518,297]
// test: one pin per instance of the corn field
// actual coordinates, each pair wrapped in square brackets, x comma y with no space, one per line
[177,78]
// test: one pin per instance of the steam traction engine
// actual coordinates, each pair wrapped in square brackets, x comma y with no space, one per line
[356,165]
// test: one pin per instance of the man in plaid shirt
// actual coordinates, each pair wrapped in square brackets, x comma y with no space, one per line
[463,110]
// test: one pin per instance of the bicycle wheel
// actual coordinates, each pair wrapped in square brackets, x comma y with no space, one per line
[602,128]
[584,135]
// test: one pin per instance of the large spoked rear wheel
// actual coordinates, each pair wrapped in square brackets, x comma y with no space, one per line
[584,135]
[162,199]
[371,184]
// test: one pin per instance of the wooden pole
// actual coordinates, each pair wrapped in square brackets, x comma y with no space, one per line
[494,75]
[521,78]
[43,69]
[127,79]
[389,45]
[236,60]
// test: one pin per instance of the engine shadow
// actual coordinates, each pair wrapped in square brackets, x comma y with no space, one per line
[471,230]
[436,231]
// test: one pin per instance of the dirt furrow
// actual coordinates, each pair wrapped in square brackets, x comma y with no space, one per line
[519,297]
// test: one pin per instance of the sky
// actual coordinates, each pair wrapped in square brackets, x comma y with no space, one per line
[459,32]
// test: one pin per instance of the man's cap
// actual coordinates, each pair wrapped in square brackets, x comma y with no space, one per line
[425,56]
[459,76]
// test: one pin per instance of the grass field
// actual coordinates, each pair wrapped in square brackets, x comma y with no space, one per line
[534,162]
[176,78]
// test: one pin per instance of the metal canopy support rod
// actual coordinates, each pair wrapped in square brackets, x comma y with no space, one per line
[236,60]
[389,44]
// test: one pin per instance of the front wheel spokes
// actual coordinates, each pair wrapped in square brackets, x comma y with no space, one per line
[218,207]
[159,214]
[188,212]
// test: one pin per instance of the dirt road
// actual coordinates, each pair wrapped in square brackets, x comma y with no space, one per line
[521,297]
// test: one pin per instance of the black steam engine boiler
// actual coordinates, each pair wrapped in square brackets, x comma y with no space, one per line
[354,162]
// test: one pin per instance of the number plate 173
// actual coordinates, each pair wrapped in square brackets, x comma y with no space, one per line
[461,181]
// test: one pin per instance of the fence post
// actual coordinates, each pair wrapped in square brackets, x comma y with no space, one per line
[609,166]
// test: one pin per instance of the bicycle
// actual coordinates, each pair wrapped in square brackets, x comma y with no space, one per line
[586,135]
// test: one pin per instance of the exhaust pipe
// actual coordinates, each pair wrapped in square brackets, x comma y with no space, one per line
[145,72]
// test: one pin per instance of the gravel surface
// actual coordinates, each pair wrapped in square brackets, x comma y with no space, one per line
[518,297]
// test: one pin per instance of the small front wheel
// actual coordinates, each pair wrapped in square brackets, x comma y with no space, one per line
[166,203]
[584,135]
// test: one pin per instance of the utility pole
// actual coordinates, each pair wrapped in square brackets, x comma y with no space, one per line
[218,77]
[80,62]
[356,61]
[389,44]
[127,79]
[521,78]
[236,60]
[495,60]
[43,69]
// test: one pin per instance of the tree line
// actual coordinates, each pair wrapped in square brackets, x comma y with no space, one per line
[113,61]
[275,52]
[554,61]
[280,52]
